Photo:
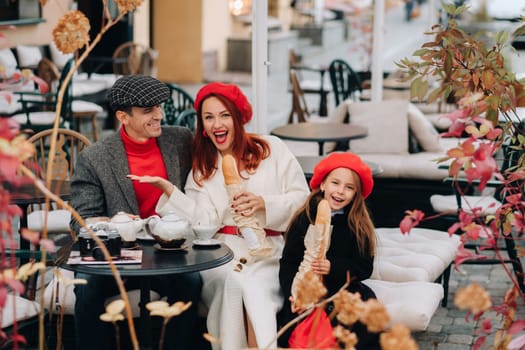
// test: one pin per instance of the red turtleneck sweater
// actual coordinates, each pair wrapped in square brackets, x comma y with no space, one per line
[144,158]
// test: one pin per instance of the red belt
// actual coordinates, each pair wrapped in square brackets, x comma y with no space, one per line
[233,230]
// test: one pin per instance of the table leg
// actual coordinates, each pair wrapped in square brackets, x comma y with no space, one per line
[145,319]
[321,146]
[24,244]
[323,110]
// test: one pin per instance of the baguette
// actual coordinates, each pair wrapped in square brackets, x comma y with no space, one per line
[324,213]
[229,170]
[324,218]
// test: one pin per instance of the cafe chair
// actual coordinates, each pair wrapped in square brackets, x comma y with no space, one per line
[346,83]
[468,198]
[178,101]
[69,144]
[21,308]
[38,109]
[311,79]
[132,58]
[188,119]
[300,111]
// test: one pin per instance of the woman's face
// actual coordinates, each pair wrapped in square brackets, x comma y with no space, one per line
[218,124]
[339,188]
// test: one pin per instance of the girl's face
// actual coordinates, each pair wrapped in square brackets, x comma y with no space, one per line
[339,188]
[218,124]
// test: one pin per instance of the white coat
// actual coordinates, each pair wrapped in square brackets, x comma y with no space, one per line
[280,180]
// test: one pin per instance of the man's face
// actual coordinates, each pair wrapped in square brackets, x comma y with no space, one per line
[142,123]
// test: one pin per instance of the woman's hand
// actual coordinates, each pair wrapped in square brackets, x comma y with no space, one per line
[247,203]
[321,266]
[157,181]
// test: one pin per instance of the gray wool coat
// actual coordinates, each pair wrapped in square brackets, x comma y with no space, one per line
[100,187]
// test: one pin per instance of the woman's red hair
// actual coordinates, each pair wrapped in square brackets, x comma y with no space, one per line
[249,148]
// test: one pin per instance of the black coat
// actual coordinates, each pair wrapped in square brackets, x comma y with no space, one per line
[343,255]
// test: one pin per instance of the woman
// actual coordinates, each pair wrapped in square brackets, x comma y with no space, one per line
[344,180]
[273,186]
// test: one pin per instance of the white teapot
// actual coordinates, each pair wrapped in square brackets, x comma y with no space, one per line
[169,228]
[127,226]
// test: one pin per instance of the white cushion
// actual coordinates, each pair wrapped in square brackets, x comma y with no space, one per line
[410,303]
[79,106]
[422,255]
[387,125]
[37,118]
[448,204]
[25,309]
[57,220]
[420,165]
[425,133]
[8,61]
[58,58]
[66,296]
[28,56]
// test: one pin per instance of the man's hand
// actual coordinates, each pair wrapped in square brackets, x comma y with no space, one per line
[157,181]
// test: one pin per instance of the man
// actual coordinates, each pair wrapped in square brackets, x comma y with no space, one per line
[100,187]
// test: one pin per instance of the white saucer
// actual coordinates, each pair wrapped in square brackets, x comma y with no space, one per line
[206,242]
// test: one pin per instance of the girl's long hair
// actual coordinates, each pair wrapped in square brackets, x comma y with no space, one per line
[248,148]
[358,218]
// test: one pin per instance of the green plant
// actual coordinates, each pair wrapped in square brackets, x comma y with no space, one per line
[487,94]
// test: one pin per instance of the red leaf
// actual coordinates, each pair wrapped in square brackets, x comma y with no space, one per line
[48,244]
[16,285]
[3,297]
[517,326]
[479,342]
[486,326]
[31,236]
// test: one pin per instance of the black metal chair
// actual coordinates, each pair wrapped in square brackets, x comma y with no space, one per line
[39,110]
[187,118]
[345,81]
[179,101]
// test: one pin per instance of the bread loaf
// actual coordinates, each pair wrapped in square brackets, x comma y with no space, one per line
[324,213]
[324,218]
[229,170]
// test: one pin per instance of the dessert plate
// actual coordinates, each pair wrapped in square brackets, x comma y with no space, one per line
[206,242]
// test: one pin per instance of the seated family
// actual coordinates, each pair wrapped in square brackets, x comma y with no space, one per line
[146,168]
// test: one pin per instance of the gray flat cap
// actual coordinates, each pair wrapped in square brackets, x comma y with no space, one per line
[137,91]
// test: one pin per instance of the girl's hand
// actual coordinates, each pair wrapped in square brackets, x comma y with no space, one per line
[294,308]
[321,266]
[157,181]
[247,203]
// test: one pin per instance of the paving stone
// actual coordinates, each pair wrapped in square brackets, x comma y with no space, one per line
[460,339]
[451,346]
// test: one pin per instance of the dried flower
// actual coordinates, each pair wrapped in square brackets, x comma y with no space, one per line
[349,307]
[345,336]
[28,269]
[163,309]
[113,311]
[124,6]
[310,289]
[71,32]
[69,281]
[397,338]
[375,316]
[473,298]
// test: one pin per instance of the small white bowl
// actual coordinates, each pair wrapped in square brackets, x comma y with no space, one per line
[204,232]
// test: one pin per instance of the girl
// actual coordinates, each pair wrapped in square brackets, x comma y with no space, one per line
[344,180]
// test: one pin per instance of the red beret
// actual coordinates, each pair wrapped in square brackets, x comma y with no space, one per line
[343,160]
[231,92]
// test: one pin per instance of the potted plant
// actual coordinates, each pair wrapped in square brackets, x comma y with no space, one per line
[487,93]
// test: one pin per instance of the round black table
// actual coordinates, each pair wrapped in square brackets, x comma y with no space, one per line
[161,263]
[320,132]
